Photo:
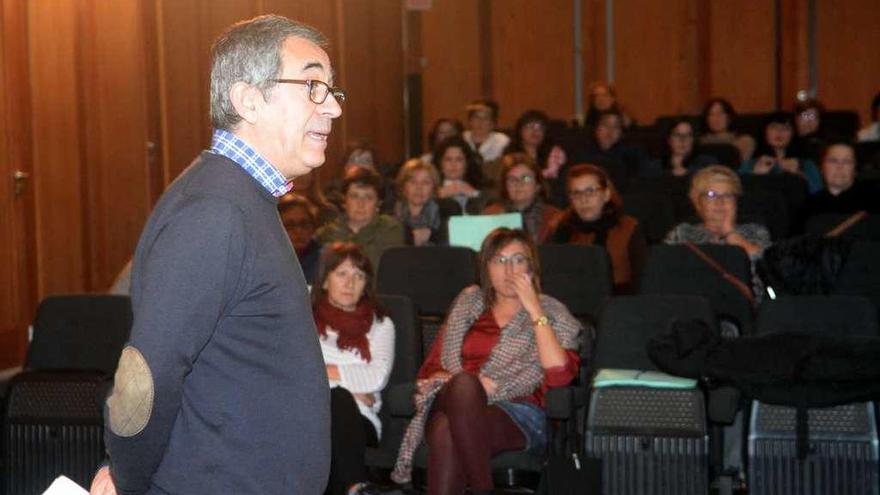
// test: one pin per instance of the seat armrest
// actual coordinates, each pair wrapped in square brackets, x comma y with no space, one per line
[399,400]
[722,404]
[5,376]
[561,402]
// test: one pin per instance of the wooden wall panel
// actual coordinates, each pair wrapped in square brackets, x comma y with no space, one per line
[183,85]
[452,65]
[17,298]
[848,54]
[593,53]
[794,56]
[371,70]
[59,172]
[655,57]
[532,62]
[741,56]
[114,92]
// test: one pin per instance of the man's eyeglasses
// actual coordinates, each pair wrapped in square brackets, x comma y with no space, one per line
[318,90]
[516,260]
[587,192]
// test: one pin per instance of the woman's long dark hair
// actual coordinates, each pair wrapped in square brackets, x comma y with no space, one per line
[334,255]
[473,172]
[764,148]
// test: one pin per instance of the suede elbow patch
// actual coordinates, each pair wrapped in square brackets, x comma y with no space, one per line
[131,403]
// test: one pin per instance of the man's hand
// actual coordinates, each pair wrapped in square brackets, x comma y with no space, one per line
[103,483]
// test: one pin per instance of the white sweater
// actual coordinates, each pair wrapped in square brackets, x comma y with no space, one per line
[358,376]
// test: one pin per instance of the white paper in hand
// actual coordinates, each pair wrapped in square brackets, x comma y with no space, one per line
[65,486]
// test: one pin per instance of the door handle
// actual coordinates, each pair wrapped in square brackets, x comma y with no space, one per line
[19,179]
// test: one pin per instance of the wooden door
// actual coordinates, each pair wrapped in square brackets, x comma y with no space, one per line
[16,190]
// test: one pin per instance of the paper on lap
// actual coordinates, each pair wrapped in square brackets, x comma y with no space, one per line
[65,486]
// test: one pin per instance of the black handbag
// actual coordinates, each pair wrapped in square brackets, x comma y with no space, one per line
[570,474]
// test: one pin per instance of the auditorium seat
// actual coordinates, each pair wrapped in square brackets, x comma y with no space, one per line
[842,454]
[431,276]
[675,269]
[650,440]
[396,398]
[53,415]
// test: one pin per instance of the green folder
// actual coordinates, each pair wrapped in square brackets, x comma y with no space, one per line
[470,230]
[635,378]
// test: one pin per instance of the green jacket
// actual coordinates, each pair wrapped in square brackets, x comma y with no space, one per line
[377,236]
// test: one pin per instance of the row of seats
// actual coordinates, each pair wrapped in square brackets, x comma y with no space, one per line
[53,419]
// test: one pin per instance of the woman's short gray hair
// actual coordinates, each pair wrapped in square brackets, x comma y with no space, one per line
[250,51]
[714,173]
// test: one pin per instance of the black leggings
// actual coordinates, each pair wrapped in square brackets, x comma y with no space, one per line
[350,435]
[463,433]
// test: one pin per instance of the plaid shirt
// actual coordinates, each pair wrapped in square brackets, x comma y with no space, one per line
[225,143]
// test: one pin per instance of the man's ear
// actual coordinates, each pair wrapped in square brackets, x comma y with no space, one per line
[247,100]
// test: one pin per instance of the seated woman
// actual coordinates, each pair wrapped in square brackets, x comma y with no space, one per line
[481,389]
[810,136]
[300,219]
[777,153]
[530,136]
[481,136]
[357,341]
[606,148]
[714,192]
[424,217]
[443,128]
[718,122]
[522,191]
[842,194]
[361,221]
[603,98]
[595,216]
[679,158]
[460,174]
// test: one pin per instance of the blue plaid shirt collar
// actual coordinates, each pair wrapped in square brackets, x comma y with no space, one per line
[225,143]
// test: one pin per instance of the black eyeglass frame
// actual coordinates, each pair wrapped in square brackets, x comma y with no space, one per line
[337,93]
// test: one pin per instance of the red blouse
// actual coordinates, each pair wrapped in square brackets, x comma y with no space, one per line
[478,344]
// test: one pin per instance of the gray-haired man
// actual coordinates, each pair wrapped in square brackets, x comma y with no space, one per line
[222,388]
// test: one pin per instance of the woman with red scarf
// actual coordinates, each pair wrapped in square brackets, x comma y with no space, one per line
[357,341]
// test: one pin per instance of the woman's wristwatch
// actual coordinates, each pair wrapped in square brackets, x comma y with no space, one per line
[541,321]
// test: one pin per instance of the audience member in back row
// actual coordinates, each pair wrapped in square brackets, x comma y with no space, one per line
[679,159]
[596,217]
[603,98]
[810,139]
[361,221]
[300,221]
[443,128]
[359,154]
[424,217]
[842,194]
[461,175]
[714,192]
[522,190]
[530,136]
[778,154]
[482,116]
[718,127]
[871,132]
[481,389]
[357,341]
[606,150]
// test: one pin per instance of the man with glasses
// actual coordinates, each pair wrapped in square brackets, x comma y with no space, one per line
[221,387]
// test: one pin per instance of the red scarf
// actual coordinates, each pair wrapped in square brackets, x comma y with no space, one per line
[352,326]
